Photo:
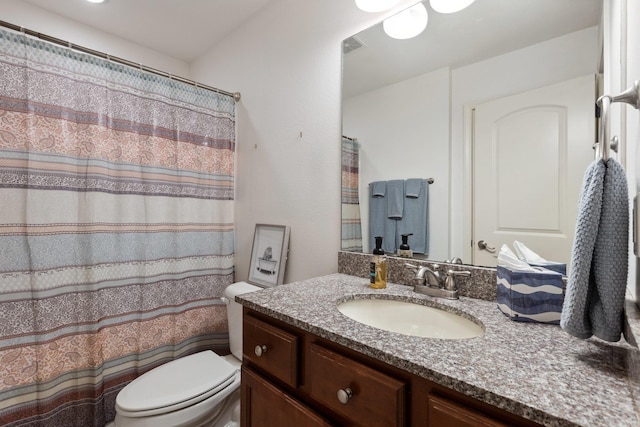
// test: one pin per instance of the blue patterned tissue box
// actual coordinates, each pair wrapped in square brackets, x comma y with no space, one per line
[530,297]
[553,266]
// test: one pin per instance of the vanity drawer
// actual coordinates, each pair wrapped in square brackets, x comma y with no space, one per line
[444,412]
[271,348]
[372,399]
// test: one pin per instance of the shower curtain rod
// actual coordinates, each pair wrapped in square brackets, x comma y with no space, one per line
[234,95]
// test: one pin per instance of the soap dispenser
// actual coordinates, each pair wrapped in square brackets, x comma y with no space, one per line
[404,250]
[378,267]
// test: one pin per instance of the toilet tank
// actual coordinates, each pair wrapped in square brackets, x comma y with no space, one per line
[234,314]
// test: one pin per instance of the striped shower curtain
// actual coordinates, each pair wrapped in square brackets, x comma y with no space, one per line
[116,228]
[351,227]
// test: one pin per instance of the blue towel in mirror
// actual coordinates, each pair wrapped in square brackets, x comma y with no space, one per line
[416,215]
[395,198]
[413,188]
[379,223]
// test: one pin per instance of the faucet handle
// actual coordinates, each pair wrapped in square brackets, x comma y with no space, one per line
[450,281]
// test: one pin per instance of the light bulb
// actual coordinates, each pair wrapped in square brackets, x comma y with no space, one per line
[449,6]
[375,5]
[408,23]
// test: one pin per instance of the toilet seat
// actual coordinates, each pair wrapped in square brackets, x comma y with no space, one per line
[176,385]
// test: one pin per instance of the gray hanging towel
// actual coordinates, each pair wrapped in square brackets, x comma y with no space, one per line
[594,298]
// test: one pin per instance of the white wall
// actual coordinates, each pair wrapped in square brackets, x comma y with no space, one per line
[286,62]
[42,21]
[633,126]
[403,130]
[543,64]
[621,19]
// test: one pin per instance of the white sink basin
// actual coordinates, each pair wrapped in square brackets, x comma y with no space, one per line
[410,319]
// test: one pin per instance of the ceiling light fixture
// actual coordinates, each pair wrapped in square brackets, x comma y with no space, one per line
[375,5]
[95,1]
[449,6]
[408,23]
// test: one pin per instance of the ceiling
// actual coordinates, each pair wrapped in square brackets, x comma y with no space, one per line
[485,29]
[186,29]
[182,29]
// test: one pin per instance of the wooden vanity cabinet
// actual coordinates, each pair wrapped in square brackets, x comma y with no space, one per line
[293,378]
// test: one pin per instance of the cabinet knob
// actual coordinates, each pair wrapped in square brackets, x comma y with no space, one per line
[344,395]
[260,350]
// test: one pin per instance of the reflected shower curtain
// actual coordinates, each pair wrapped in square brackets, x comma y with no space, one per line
[116,228]
[351,228]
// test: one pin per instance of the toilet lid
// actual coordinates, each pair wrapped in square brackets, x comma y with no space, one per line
[177,381]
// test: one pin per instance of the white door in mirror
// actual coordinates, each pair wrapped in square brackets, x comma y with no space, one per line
[530,153]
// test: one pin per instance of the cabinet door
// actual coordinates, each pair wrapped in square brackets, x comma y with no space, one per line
[445,413]
[264,405]
[361,394]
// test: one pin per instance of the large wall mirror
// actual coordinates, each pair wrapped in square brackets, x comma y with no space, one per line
[493,103]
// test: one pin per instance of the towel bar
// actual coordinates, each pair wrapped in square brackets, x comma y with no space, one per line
[429,180]
[630,96]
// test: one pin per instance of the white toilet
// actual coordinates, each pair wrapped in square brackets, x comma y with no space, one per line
[202,389]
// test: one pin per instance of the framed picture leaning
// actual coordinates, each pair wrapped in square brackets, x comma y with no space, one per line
[269,254]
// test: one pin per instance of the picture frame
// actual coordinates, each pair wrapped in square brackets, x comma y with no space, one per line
[269,255]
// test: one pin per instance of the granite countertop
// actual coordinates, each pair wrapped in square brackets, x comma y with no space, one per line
[535,371]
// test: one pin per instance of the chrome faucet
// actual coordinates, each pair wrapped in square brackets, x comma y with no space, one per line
[429,282]
[428,277]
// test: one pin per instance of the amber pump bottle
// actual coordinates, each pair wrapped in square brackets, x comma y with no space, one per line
[378,267]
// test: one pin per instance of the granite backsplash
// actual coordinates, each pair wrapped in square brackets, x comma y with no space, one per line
[480,285]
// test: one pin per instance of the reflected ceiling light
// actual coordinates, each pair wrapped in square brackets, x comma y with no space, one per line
[449,6]
[375,5]
[408,23]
